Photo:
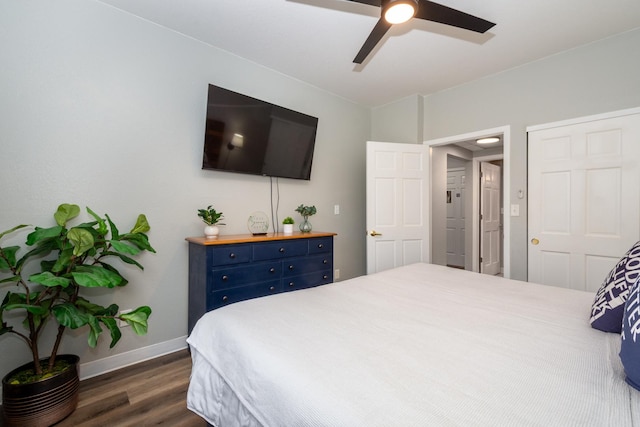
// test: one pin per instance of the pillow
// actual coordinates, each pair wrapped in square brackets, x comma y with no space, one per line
[630,347]
[608,308]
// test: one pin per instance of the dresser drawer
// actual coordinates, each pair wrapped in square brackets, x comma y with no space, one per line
[230,254]
[320,245]
[280,249]
[295,266]
[307,280]
[228,296]
[232,277]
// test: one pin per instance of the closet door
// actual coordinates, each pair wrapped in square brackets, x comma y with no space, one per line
[584,198]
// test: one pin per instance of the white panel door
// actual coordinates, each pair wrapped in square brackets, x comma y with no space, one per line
[397,205]
[490,229]
[455,217]
[584,199]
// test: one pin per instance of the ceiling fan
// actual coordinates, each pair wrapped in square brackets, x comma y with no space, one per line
[399,11]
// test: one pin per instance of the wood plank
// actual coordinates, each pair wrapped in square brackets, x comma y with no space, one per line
[85,413]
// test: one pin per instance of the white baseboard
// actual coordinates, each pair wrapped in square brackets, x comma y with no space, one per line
[111,363]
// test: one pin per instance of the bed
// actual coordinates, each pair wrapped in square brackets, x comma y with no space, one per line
[420,345]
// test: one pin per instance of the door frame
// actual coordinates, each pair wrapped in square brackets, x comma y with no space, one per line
[506,190]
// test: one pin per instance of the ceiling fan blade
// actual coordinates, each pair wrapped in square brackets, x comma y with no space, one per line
[376,34]
[445,15]
[371,2]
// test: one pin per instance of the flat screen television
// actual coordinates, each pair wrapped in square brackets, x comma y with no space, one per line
[247,135]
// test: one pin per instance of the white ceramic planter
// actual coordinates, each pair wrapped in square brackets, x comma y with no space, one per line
[211,231]
[287,228]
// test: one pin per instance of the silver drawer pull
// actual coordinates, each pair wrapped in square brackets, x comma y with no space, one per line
[225,277]
[291,267]
[320,246]
[224,298]
[325,277]
[272,270]
[273,288]
[281,250]
[232,255]
[290,284]
[324,261]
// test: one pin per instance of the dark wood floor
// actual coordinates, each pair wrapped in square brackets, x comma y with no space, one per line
[147,394]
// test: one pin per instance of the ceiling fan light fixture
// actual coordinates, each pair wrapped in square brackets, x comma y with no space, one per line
[490,140]
[399,11]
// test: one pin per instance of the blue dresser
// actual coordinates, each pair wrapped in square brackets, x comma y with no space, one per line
[229,269]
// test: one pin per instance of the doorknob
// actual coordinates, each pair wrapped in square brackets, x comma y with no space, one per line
[535,241]
[374,233]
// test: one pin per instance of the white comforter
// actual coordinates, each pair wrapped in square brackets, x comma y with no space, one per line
[421,345]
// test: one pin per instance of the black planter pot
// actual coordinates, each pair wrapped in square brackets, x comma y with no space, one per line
[42,403]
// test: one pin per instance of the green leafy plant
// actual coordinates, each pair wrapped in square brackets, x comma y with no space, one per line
[306,211]
[71,259]
[210,217]
[288,220]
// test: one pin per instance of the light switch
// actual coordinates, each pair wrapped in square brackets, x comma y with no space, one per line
[515,210]
[336,209]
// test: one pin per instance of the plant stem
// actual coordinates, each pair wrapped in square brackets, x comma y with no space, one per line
[61,328]
[33,344]
[54,352]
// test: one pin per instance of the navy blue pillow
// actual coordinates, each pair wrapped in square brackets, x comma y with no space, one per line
[630,348]
[608,308]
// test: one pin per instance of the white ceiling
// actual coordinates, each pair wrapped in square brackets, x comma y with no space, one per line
[316,40]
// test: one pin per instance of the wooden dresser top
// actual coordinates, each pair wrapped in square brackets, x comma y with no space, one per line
[250,238]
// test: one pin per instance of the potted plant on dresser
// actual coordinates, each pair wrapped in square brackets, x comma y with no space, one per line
[50,274]
[306,212]
[287,225]
[211,218]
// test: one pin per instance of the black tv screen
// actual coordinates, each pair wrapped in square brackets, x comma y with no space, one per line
[247,135]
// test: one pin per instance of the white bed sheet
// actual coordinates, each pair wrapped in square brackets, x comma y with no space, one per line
[421,345]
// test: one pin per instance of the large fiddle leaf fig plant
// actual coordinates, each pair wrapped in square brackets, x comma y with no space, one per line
[71,259]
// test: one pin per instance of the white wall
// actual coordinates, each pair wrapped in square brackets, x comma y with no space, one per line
[592,79]
[106,110]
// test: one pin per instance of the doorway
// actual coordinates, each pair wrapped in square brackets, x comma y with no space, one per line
[456,225]
[451,151]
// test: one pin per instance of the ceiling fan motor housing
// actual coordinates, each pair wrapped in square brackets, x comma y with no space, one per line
[399,11]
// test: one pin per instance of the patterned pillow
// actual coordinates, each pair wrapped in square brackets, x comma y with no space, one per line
[630,347]
[608,307]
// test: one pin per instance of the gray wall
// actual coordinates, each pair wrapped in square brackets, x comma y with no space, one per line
[399,121]
[106,110]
